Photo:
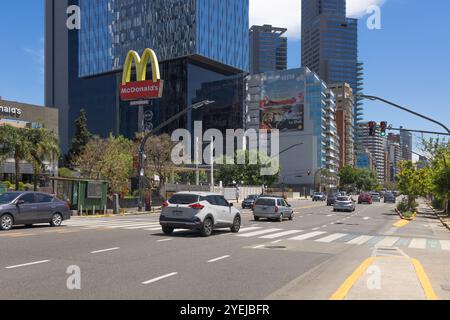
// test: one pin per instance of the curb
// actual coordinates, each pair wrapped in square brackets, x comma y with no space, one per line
[414,216]
[445,224]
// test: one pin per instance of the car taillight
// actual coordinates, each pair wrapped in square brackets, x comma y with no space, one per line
[165,204]
[277,209]
[197,206]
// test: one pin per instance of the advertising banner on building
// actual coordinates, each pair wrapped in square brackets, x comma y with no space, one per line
[283,101]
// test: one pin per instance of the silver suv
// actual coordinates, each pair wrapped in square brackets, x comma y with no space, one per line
[273,208]
[199,211]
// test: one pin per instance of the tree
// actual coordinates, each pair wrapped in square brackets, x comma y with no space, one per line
[347,177]
[362,179]
[46,147]
[413,182]
[15,142]
[90,161]
[81,138]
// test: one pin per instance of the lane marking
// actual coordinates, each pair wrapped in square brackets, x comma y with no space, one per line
[418,244]
[332,237]
[153,225]
[344,289]
[424,280]
[259,246]
[250,229]
[153,229]
[280,234]
[388,241]
[401,223]
[257,233]
[366,218]
[27,264]
[276,241]
[165,240]
[105,250]
[360,240]
[160,278]
[218,259]
[308,236]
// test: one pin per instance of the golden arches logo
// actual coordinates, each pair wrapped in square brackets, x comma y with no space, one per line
[141,88]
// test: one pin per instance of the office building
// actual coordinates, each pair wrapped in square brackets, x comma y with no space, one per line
[268,49]
[197,42]
[22,115]
[376,146]
[300,105]
[394,149]
[406,143]
[345,107]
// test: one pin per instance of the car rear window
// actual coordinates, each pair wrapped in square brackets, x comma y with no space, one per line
[265,202]
[184,199]
[343,199]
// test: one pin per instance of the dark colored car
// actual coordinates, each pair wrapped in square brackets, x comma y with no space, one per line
[332,199]
[390,198]
[249,202]
[319,196]
[28,208]
[365,198]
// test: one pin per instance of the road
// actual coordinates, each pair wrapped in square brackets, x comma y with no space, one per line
[319,255]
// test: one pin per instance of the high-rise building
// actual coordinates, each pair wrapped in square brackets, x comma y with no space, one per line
[268,49]
[330,47]
[345,107]
[301,106]
[376,145]
[197,42]
[406,144]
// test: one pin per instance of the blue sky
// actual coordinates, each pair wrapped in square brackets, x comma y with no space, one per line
[407,61]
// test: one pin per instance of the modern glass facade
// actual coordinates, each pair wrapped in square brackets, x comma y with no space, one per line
[268,49]
[217,30]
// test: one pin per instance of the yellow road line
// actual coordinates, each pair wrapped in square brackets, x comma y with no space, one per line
[344,289]
[424,280]
[402,223]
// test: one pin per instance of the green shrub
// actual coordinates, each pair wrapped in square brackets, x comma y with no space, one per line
[403,205]
[438,203]
[65,173]
[21,186]
[7,184]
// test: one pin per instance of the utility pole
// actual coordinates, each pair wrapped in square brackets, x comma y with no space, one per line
[212,165]
[197,160]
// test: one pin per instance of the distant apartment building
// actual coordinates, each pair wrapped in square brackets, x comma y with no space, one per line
[300,105]
[376,146]
[345,106]
[364,159]
[268,49]
[394,150]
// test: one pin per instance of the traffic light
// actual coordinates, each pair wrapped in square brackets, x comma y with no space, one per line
[383,128]
[372,128]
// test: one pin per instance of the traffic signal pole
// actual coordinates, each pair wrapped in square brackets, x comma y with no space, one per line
[374,98]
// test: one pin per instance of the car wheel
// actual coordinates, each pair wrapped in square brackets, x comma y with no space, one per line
[57,220]
[167,230]
[291,217]
[207,228]
[236,225]
[256,218]
[6,222]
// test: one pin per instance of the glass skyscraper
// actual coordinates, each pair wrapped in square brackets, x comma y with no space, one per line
[202,46]
[217,30]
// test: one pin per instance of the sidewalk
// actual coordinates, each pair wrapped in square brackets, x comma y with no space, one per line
[427,209]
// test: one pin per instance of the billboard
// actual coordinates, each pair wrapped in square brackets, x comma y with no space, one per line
[282,101]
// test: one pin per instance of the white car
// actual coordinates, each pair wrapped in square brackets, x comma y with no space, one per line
[199,211]
[344,204]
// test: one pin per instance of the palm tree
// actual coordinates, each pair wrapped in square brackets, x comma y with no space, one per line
[45,147]
[14,142]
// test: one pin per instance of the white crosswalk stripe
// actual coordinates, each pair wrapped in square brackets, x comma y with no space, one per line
[418,244]
[257,233]
[280,234]
[445,245]
[332,238]
[360,240]
[308,236]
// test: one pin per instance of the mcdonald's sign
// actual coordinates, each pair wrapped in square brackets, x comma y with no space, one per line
[141,88]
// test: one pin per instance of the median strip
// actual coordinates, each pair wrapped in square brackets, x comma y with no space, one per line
[27,264]
[402,223]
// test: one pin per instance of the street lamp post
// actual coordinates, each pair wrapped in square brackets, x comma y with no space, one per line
[142,155]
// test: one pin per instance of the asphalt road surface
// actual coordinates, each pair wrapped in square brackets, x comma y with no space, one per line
[322,254]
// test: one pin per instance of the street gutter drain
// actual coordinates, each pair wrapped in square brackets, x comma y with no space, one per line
[276,247]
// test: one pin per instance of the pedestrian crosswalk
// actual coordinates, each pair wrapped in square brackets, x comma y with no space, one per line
[279,234]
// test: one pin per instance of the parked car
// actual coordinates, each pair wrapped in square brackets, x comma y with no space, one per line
[272,208]
[365,198]
[249,202]
[319,196]
[331,199]
[390,198]
[199,211]
[376,197]
[28,208]
[344,203]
